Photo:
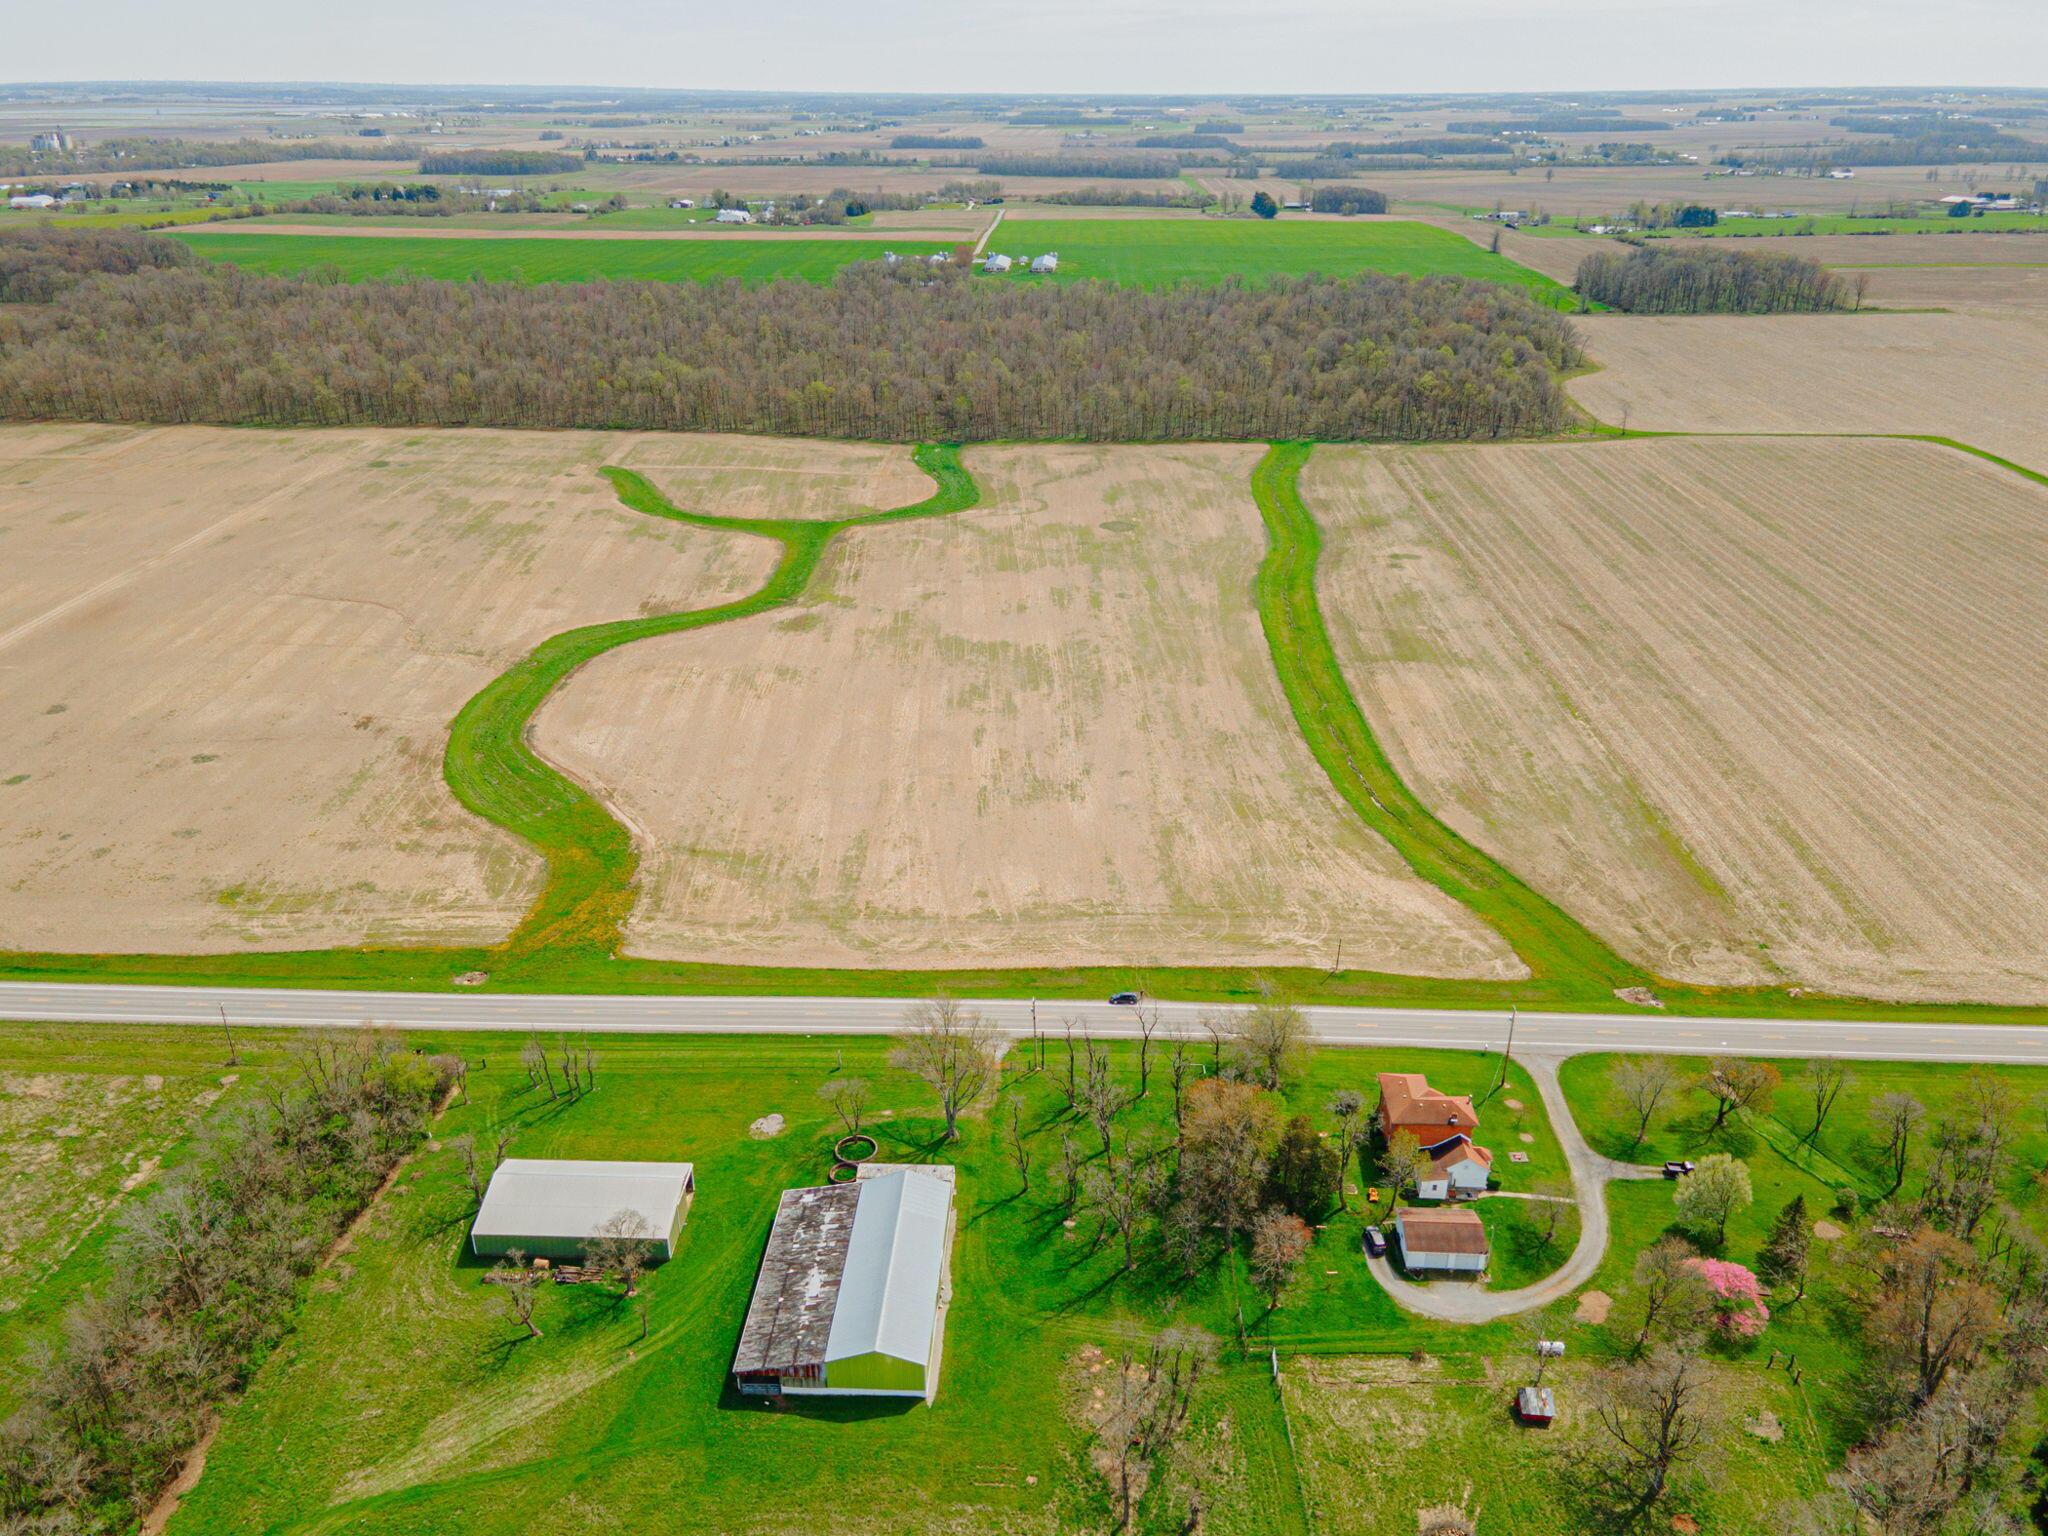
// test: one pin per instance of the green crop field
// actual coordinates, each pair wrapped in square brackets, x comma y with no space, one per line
[1154,253]
[750,258]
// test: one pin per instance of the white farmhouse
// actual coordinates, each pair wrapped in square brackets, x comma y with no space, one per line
[996,264]
[733,216]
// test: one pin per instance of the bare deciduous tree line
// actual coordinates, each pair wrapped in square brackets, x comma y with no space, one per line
[907,353]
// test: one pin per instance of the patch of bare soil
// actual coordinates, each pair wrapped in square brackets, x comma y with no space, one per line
[1722,698]
[228,660]
[1593,1307]
[1047,731]
[1828,1232]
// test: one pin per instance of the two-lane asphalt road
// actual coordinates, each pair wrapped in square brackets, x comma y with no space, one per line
[1557,1034]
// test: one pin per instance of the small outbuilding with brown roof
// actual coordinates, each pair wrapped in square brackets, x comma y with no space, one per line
[1453,1241]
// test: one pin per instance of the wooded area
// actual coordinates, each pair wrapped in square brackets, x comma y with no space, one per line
[1708,278]
[143,154]
[912,352]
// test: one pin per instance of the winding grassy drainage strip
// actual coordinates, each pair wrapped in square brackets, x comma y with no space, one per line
[494,772]
[1554,945]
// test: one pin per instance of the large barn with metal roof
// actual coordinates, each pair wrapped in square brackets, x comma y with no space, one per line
[851,1298]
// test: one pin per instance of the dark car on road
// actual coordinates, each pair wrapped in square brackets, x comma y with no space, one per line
[1376,1242]
[1678,1168]
[1125,999]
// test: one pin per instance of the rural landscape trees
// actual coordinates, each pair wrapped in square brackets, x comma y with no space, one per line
[903,353]
[1708,277]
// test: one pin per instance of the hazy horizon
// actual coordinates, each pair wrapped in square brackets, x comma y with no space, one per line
[1137,47]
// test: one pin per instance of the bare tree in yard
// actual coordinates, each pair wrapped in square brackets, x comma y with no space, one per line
[520,1285]
[571,1083]
[1217,1025]
[1654,1419]
[1932,1315]
[1020,1147]
[1068,1084]
[534,1057]
[1225,1148]
[953,1049]
[618,1252]
[1070,1168]
[1279,1244]
[1178,1069]
[1898,1116]
[1735,1083]
[1971,1145]
[1099,1098]
[1644,1083]
[1538,1328]
[1825,1079]
[1142,1414]
[474,1173]
[1671,1293]
[1404,1163]
[1148,1026]
[1120,1190]
[1547,1214]
[848,1098]
[1267,1043]
[1345,1107]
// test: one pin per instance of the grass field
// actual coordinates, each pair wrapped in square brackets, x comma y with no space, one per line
[749,258]
[1153,253]
[1648,676]
[406,1403]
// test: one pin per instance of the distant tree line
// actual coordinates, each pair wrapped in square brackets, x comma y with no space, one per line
[936,141]
[1347,200]
[1183,141]
[1124,197]
[1948,143]
[1109,167]
[499,162]
[895,353]
[1706,277]
[204,1283]
[1591,121]
[41,261]
[143,154]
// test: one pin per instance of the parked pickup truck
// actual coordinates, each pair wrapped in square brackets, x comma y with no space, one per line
[1678,1168]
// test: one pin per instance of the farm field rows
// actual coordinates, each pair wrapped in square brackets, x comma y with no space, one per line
[231,722]
[1978,380]
[376,254]
[1658,680]
[1042,732]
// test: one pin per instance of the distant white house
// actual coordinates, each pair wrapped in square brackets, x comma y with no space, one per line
[682,202]
[996,264]
[1049,262]
[733,216]
[32,200]
[1457,1171]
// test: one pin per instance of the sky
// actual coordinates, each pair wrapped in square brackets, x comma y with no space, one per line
[1026,46]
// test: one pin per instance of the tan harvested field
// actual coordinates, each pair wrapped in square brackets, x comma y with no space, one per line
[1971,289]
[1910,250]
[399,169]
[228,672]
[1046,731]
[1974,377]
[733,476]
[1754,709]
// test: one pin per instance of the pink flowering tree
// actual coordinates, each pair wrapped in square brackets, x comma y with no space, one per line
[1738,1297]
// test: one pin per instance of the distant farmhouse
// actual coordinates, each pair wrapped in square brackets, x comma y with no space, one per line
[996,264]
[1453,1241]
[851,1298]
[1443,1123]
[551,1209]
[733,216]
[1049,262]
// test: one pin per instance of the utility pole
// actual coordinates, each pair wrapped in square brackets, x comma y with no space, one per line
[229,1035]
[1508,1053]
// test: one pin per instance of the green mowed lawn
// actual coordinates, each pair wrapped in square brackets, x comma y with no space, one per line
[1155,253]
[750,258]
[408,1401]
